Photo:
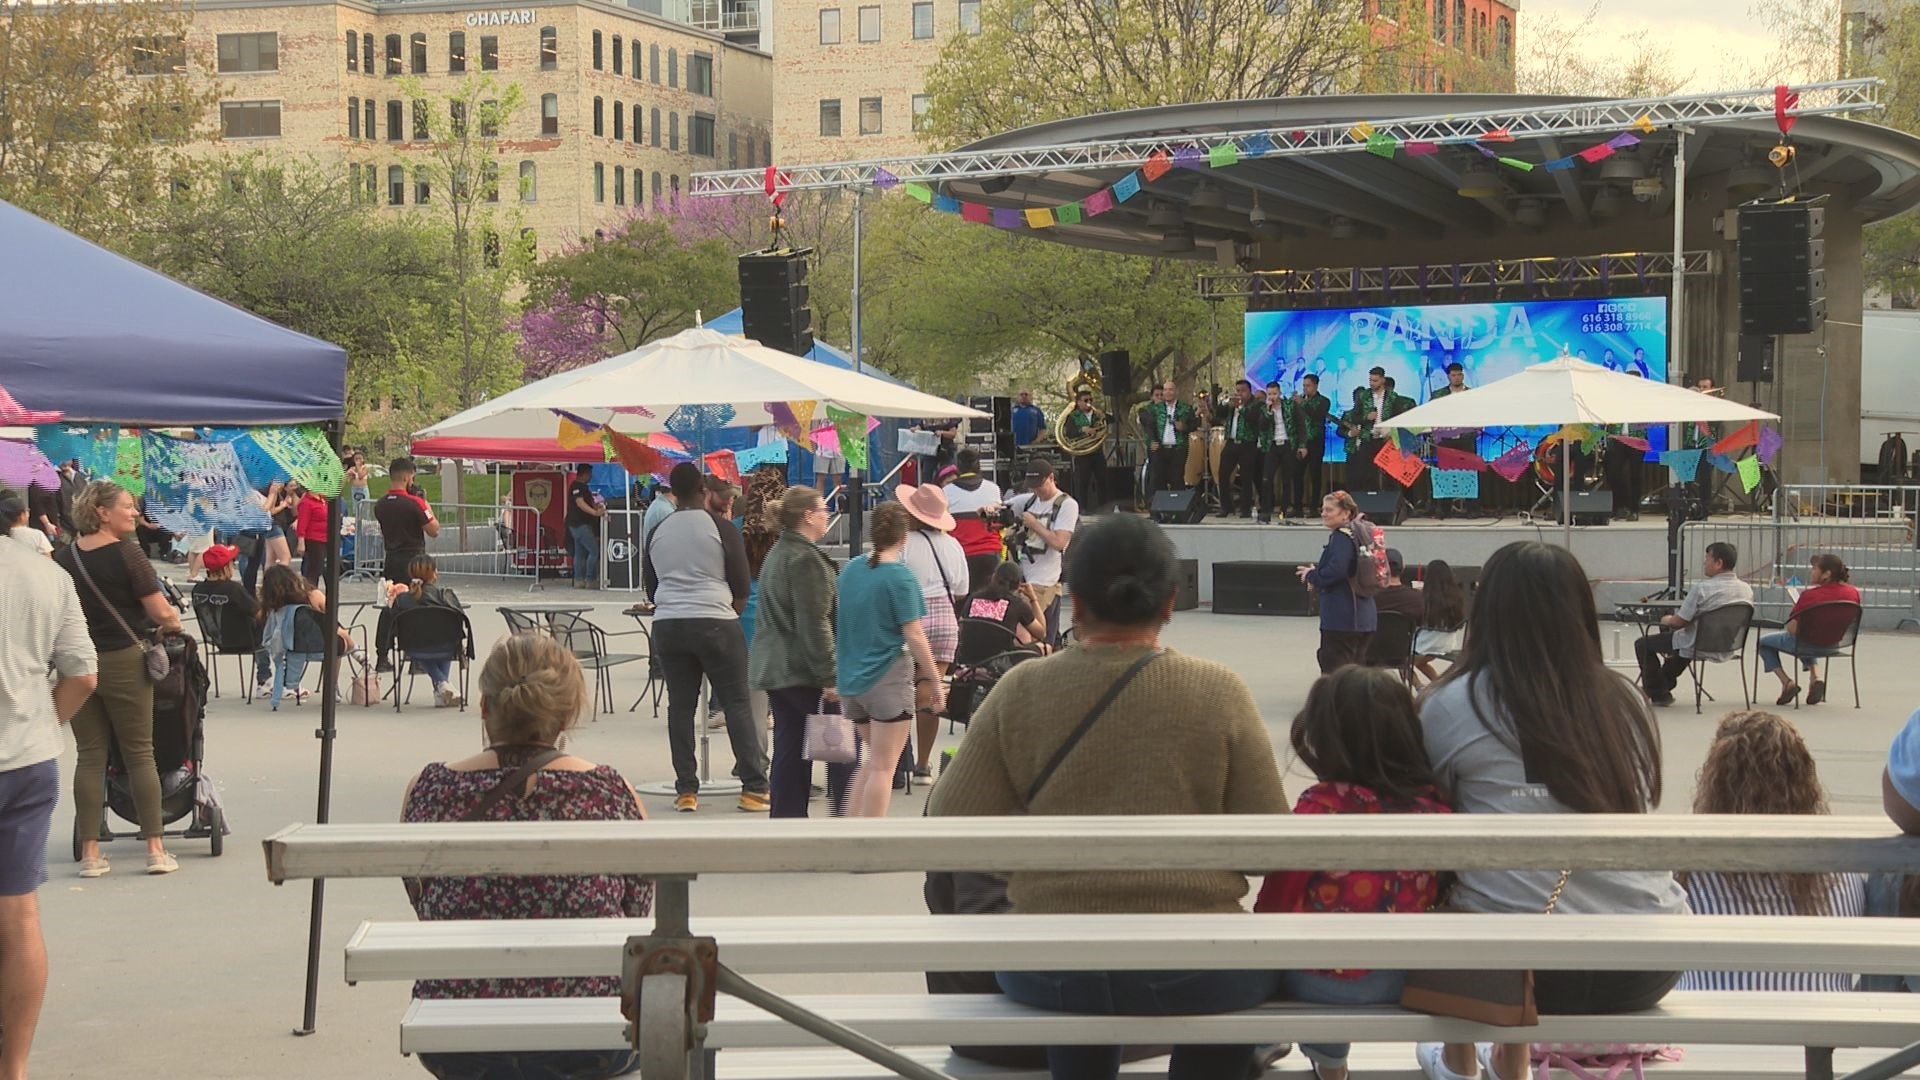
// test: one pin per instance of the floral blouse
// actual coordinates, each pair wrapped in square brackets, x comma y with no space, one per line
[443,794]
[1354,890]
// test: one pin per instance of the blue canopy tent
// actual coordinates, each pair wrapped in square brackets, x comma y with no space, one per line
[102,339]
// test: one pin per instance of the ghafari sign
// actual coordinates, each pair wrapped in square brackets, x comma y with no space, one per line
[523,17]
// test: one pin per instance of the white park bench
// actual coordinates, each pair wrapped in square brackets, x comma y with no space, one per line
[1727,1035]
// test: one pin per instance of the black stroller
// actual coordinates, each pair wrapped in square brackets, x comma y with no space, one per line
[179,750]
[986,652]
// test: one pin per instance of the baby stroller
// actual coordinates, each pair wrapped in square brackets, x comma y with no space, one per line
[987,651]
[179,745]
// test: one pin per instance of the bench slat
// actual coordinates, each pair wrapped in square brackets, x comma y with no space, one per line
[1212,842]
[474,949]
[1754,1018]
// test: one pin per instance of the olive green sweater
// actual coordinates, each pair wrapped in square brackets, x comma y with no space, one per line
[1182,738]
[793,621]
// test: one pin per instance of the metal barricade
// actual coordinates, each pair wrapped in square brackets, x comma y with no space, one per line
[1848,501]
[1774,554]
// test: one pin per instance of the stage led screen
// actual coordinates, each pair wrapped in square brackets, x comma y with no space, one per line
[1416,343]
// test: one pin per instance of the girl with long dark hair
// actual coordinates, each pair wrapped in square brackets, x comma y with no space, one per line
[1531,720]
[1442,620]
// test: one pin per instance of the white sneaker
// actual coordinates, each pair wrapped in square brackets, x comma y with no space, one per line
[448,700]
[1432,1059]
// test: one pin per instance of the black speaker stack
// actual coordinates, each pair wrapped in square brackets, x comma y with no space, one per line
[1116,372]
[1783,280]
[1756,358]
[773,300]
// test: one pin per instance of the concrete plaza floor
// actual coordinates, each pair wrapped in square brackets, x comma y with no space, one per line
[200,973]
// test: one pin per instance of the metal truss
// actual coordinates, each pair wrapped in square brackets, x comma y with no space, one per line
[1491,126]
[1573,273]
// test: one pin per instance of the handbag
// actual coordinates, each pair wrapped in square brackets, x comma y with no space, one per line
[829,736]
[159,665]
[513,781]
[1499,998]
[365,689]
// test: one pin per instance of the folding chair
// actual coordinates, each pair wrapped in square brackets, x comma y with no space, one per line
[588,643]
[226,633]
[1392,645]
[430,631]
[1720,631]
[1826,632]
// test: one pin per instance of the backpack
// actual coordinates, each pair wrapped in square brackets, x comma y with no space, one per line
[1370,557]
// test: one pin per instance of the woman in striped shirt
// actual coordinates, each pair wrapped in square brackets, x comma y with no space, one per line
[1758,764]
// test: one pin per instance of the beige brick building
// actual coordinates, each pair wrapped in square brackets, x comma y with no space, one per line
[617,108]
[852,73]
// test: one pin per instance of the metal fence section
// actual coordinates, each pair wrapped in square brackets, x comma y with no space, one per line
[500,540]
[1849,501]
[1774,555]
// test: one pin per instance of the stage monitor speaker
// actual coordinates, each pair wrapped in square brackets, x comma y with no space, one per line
[1258,588]
[1116,371]
[1178,507]
[1589,508]
[1002,413]
[1379,507]
[773,300]
[1187,596]
[1756,358]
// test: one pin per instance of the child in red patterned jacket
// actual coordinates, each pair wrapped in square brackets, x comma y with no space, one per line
[1360,734]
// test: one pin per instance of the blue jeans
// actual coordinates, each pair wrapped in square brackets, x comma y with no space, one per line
[437,664]
[1772,645]
[262,667]
[533,1065]
[287,674]
[1143,993]
[1315,988]
[586,552]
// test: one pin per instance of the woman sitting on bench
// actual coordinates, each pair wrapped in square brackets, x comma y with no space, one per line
[531,694]
[1532,721]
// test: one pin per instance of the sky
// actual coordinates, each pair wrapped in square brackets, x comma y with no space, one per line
[1716,42]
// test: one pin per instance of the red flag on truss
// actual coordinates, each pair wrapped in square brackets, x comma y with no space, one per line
[1783,100]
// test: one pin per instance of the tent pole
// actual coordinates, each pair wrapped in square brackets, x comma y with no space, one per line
[856,496]
[329,706]
[1566,493]
[1676,338]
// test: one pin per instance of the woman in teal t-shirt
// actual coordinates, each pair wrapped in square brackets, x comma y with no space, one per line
[885,666]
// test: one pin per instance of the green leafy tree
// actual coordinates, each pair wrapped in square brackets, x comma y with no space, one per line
[95,103]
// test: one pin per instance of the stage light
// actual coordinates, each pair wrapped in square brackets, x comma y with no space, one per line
[1480,182]
[1608,203]
[1623,167]
[1176,241]
[1205,197]
[1531,213]
[1163,216]
[1748,181]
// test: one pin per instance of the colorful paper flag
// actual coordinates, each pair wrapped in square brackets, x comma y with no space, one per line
[1455,483]
[1257,145]
[826,440]
[635,456]
[1633,442]
[721,463]
[1594,153]
[1068,214]
[1223,155]
[884,180]
[1360,131]
[1644,123]
[1452,460]
[790,419]
[1187,157]
[1769,445]
[1722,462]
[1380,144]
[1557,164]
[22,463]
[1420,147]
[1747,434]
[13,414]
[573,435]
[1404,468]
[1040,218]
[1005,218]
[1097,203]
[852,429]
[976,212]
[773,453]
[1749,473]
[1784,100]
[1513,464]
[1499,135]
[632,410]
[1516,163]
[920,192]
[1126,187]
[1685,464]
[1624,140]
[946,204]
[1157,165]
[90,444]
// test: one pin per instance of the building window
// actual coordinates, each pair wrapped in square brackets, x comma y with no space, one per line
[529,182]
[373,185]
[529,242]
[240,53]
[1440,21]
[923,20]
[422,124]
[673,189]
[353,182]
[490,249]
[733,150]
[653,64]
[1459,22]
[549,114]
[250,119]
[619,56]
[656,125]
[490,180]
[619,186]
[366,53]
[633,68]
[599,47]
[599,117]
[549,48]
[830,26]
[921,104]
[353,118]
[619,120]
[456,52]
[417,54]
[869,24]
[830,118]
[368,127]
[656,188]
[869,116]
[599,182]
[636,124]
[1503,39]
[353,50]
[700,74]
[969,16]
[395,64]
[489,53]
[396,186]
[396,125]
[457,119]
[673,131]
[489,119]
[673,68]
[700,135]
[422,189]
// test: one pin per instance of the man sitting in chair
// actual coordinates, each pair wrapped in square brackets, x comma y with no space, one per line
[1664,656]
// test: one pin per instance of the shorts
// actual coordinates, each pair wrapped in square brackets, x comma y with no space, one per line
[27,798]
[889,700]
[942,627]
[199,542]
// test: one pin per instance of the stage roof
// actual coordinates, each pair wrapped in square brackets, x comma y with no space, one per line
[1876,169]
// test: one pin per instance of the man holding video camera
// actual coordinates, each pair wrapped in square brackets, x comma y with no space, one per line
[1040,525]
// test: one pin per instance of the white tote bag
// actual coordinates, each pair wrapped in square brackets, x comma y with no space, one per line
[830,735]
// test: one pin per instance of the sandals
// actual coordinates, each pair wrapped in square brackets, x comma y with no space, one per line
[1786,696]
[1818,692]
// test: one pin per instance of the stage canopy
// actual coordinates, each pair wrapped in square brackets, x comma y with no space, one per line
[102,338]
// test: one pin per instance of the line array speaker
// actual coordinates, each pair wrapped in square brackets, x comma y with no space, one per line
[1783,281]
[773,300]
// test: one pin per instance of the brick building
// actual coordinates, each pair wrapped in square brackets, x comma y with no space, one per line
[618,106]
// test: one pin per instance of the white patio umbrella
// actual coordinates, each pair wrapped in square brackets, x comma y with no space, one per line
[1569,390]
[693,367]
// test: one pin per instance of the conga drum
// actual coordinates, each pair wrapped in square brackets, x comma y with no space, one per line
[1203,449]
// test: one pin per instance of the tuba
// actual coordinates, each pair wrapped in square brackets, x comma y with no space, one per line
[1095,434]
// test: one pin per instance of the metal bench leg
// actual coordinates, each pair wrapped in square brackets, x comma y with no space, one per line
[1819,1063]
[1885,1069]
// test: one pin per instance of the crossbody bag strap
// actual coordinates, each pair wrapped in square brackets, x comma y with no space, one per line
[945,583]
[1086,724]
[512,782]
[81,564]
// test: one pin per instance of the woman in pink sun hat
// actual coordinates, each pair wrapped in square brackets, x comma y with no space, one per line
[938,561]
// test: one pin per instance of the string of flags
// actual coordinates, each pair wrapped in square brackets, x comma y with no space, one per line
[841,434]
[1231,152]
[1455,473]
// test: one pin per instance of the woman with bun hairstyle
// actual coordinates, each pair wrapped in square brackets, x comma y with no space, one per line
[1192,718]
[423,589]
[1347,619]
[531,695]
